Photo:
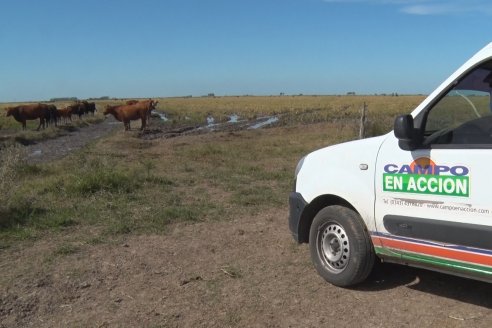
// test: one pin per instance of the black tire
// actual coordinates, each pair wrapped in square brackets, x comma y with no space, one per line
[340,246]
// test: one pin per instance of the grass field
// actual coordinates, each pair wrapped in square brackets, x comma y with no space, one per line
[125,184]
[293,109]
[290,109]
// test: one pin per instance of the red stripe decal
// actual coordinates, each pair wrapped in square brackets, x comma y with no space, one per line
[434,251]
[376,241]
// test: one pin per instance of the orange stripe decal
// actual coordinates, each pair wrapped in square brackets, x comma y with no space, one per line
[438,251]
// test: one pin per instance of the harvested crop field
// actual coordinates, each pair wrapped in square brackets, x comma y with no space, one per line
[187,227]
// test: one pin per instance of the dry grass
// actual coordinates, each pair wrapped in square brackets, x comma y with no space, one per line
[10,158]
[123,184]
[290,110]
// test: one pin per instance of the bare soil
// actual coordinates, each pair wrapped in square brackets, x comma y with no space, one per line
[245,271]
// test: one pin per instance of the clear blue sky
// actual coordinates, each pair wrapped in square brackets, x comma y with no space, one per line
[150,48]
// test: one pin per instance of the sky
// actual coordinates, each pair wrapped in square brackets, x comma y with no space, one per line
[152,48]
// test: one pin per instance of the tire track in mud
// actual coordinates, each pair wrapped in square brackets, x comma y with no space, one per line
[51,149]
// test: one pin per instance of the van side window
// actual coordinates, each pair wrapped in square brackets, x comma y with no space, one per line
[464,115]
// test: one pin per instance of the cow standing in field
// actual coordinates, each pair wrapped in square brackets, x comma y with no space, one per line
[53,116]
[127,113]
[77,109]
[151,103]
[65,113]
[91,107]
[24,113]
[87,107]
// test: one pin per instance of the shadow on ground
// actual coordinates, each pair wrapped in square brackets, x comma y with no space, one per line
[388,276]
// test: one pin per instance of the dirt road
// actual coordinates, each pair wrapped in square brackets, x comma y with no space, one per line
[76,138]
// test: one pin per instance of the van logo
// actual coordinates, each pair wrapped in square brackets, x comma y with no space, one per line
[424,176]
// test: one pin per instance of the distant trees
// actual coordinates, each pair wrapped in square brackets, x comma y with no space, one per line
[64,99]
[100,98]
[76,99]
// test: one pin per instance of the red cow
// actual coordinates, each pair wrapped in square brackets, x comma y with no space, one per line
[151,103]
[127,113]
[30,112]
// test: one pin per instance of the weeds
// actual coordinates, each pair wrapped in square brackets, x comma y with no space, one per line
[98,176]
[15,208]
[10,158]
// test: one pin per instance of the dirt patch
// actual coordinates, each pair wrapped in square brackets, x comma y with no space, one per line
[244,273]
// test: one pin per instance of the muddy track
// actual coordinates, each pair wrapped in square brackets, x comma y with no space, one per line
[76,138]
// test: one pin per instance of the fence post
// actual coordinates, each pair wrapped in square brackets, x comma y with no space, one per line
[363,121]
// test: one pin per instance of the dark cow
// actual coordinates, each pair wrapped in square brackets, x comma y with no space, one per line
[91,107]
[77,109]
[53,116]
[65,113]
[87,107]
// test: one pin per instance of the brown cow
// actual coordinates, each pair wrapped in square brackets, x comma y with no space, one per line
[65,113]
[30,112]
[151,103]
[127,113]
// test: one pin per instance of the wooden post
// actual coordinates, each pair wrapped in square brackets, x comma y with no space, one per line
[362,129]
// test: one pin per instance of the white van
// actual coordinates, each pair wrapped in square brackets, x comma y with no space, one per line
[418,195]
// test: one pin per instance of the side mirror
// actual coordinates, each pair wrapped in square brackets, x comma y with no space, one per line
[405,132]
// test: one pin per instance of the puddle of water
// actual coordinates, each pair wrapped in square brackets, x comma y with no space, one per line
[267,121]
[234,118]
[210,120]
[162,116]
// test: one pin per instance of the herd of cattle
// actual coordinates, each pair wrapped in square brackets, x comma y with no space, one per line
[49,114]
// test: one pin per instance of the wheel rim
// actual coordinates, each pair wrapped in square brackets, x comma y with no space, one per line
[333,247]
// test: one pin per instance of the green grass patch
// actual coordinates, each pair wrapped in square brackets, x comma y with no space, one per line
[103,180]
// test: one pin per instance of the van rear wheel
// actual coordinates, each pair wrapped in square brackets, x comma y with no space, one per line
[340,246]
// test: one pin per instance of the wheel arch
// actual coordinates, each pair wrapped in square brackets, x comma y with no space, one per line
[313,208]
